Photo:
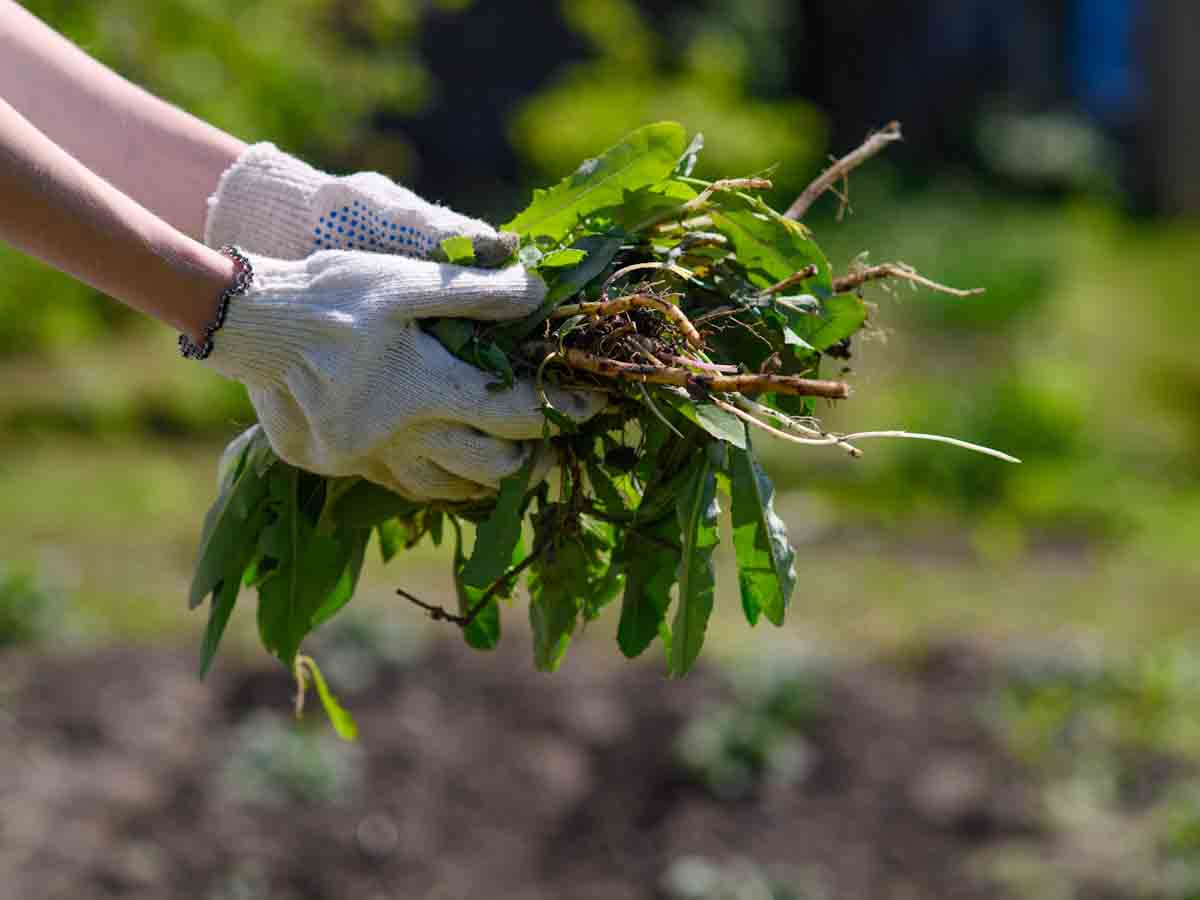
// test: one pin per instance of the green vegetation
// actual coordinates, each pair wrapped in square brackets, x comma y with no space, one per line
[674,434]
[756,739]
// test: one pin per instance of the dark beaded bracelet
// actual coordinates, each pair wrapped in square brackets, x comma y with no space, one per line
[241,282]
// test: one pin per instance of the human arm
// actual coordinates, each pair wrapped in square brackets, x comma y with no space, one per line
[344,380]
[55,208]
[160,156]
[171,162]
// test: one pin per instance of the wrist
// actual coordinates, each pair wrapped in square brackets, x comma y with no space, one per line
[235,275]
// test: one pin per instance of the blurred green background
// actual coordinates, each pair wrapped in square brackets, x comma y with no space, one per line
[1042,163]
[1076,359]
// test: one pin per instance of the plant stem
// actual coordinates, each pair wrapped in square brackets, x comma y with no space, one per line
[843,167]
[896,270]
[621,304]
[730,384]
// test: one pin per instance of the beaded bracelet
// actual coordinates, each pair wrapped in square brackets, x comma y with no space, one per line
[241,282]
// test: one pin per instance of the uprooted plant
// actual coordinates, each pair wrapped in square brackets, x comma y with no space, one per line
[703,314]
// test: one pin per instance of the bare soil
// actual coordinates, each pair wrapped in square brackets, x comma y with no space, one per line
[477,777]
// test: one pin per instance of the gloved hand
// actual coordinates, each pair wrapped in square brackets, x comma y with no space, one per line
[271,203]
[346,383]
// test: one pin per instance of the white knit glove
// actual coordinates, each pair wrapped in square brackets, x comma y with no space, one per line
[271,203]
[346,383]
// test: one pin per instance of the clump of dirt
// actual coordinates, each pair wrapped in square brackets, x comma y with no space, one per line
[477,777]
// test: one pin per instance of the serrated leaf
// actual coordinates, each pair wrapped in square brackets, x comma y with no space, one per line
[770,247]
[459,250]
[697,510]
[643,205]
[765,557]
[642,158]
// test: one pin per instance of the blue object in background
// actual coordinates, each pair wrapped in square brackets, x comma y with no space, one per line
[1104,66]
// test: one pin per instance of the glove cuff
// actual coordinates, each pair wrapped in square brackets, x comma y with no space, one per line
[265,330]
[263,201]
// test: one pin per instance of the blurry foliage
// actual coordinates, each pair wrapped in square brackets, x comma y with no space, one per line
[1116,743]
[701,74]
[306,75]
[30,611]
[358,644]
[701,878]
[279,763]
[1070,360]
[736,748]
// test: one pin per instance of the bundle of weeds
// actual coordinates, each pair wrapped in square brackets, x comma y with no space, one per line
[706,318]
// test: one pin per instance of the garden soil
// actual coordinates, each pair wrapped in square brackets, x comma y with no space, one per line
[476,777]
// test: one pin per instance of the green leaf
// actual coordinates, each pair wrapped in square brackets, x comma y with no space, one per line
[498,536]
[573,575]
[228,525]
[697,509]
[839,317]
[562,259]
[649,556]
[367,504]
[770,247]
[600,252]
[492,359]
[309,569]
[484,631]
[459,250]
[455,334]
[343,723]
[648,204]
[352,553]
[722,425]
[687,162]
[765,557]
[642,158]
[226,592]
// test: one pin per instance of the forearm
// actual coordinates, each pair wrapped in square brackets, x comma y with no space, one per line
[54,208]
[159,155]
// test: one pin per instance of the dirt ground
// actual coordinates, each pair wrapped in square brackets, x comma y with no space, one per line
[123,776]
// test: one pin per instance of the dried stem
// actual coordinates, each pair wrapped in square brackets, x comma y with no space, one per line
[621,304]
[736,384]
[772,430]
[697,364]
[697,202]
[823,437]
[791,281]
[791,429]
[670,267]
[896,270]
[441,614]
[843,167]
